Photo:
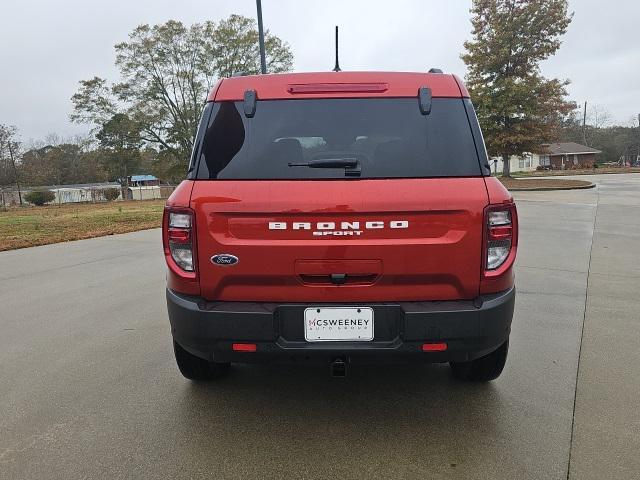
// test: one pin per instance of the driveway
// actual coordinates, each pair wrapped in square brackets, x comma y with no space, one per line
[89,389]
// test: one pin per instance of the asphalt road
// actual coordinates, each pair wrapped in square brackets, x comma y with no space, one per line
[89,389]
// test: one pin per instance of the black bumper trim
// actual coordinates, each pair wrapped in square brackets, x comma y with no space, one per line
[470,329]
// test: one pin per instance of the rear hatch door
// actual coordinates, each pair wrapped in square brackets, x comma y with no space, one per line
[340,241]
[402,222]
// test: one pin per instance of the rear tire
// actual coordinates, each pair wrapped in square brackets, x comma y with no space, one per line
[482,369]
[196,368]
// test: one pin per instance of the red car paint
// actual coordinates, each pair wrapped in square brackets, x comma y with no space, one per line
[359,198]
[437,258]
[398,84]
[440,257]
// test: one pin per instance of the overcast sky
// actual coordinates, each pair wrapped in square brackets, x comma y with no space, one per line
[47,46]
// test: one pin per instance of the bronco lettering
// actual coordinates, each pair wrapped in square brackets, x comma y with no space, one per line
[371,225]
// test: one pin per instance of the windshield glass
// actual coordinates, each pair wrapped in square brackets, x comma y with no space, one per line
[388,137]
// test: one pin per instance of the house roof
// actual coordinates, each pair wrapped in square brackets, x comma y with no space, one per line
[76,186]
[567,148]
[143,178]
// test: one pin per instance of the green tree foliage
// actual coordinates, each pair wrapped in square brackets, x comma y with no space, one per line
[166,72]
[111,194]
[240,33]
[517,107]
[10,150]
[120,142]
[39,197]
[7,171]
[617,143]
[68,162]
[61,164]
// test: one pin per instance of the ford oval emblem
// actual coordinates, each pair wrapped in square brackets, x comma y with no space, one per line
[224,259]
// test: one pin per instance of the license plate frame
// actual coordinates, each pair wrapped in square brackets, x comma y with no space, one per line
[339,324]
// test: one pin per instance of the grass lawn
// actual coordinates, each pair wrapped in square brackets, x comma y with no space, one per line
[29,226]
[582,171]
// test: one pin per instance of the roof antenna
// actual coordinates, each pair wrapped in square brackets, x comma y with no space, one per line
[337,67]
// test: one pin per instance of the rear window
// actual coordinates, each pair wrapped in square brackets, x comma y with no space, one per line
[386,137]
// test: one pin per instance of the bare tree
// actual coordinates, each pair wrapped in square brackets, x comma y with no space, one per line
[9,150]
[598,116]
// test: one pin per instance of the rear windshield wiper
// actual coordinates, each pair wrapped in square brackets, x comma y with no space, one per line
[328,163]
[351,165]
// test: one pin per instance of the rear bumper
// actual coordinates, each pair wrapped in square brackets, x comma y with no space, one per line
[471,329]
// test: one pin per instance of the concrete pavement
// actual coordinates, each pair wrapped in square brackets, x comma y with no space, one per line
[606,440]
[89,389]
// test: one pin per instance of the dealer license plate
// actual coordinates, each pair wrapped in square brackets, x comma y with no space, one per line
[338,324]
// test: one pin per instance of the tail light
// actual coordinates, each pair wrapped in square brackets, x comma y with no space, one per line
[179,241]
[499,235]
[339,88]
[500,244]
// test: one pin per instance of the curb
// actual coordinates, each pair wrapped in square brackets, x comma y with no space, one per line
[576,174]
[550,189]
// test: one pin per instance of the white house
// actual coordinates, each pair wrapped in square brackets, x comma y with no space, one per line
[556,156]
[144,193]
[527,163]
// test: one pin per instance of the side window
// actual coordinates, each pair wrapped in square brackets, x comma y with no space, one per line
[202,127]
[483,158]
[224,138]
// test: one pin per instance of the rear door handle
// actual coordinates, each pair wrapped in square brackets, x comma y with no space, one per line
[338,278]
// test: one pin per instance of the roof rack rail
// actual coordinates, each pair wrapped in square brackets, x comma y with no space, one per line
[435,70]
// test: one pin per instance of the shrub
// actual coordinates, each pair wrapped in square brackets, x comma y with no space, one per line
[110,194]
[39,197]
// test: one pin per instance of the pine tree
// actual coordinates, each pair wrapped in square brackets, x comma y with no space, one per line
[517,107]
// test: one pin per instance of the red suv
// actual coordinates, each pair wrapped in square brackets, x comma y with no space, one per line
[340,217]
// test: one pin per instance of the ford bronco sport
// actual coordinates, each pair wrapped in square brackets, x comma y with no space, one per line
[340,217]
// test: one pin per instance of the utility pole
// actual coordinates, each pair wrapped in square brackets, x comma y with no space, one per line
[584,124]
[263,58]
[15,170]
[638,157]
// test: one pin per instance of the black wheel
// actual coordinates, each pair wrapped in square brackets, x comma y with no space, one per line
[196,368]
[482,369]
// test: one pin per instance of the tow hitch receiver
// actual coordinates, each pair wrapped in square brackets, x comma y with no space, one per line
[338,368]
